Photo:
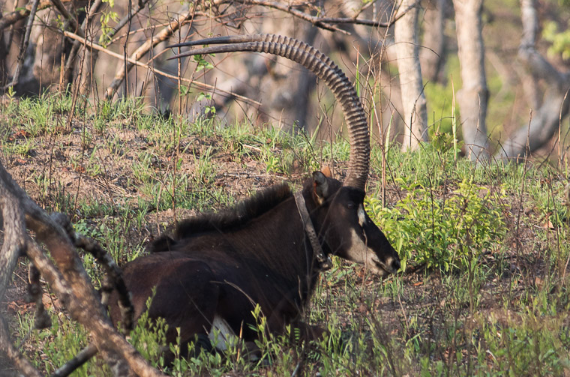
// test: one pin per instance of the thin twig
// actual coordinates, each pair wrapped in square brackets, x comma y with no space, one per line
[152,27]
[61,9]
[297,13]
[125,20]
[76,45]
[325,22]
[164,34]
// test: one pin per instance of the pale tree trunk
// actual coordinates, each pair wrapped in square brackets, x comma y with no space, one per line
[379,44]
[413,98]
[474,95]
[546,119]
[87,61]
[433,53]
[4,46]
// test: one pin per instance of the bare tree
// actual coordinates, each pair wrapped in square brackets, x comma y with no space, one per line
[546,118]
[413,98]
[474,95]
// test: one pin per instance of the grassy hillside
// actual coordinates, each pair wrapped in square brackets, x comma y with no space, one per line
[485,248]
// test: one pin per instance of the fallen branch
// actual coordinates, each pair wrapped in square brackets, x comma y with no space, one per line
[14,245]
[69,280]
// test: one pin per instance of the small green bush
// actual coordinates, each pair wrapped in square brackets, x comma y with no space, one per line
[446,234]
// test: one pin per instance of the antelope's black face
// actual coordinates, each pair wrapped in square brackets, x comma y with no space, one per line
[348,231]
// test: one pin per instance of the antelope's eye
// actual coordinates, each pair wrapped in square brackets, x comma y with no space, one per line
[350,205]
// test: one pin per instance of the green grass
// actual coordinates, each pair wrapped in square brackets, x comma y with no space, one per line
[486,247]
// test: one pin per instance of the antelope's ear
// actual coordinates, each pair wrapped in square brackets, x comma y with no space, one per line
[326,171]
[163,243]
[320,186]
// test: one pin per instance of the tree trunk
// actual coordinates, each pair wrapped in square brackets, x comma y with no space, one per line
[474,95]
[3,54]
[413,98]
[546,119]
[433,54]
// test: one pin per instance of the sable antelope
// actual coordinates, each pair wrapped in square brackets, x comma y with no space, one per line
[269,249]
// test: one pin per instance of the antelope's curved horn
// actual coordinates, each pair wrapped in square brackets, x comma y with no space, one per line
[324,68]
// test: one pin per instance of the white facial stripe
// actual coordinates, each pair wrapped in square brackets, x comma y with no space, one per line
[361,215]
[360,253]
[221,334]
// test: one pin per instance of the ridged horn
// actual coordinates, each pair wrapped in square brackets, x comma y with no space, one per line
[325,69]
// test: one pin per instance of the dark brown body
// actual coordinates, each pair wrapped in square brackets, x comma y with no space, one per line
[219,267]
[223,265]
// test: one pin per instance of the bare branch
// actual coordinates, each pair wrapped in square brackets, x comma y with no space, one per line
[61,8]
[325,22]
[125,20]
[13,17]
[143,50]
[159,72]
[297,13]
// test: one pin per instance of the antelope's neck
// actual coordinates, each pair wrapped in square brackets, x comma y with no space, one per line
[278,240]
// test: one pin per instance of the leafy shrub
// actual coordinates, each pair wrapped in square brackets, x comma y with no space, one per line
[447,234]
[560,40]
[149,338]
